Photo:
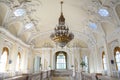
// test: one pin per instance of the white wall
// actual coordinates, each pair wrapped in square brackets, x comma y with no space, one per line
[95,57]
[74,56]
[14,47]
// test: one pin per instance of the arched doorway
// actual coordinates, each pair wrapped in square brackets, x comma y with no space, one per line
[61,60]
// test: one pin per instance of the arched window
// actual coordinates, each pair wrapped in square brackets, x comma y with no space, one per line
[117,57]
[104,61]
[4,59]
[18,62]
[61,60]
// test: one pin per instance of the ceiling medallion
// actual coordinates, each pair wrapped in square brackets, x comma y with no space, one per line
[61,36]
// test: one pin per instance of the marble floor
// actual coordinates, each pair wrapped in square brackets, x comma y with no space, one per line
[71,78]
[62,78]
[108,78]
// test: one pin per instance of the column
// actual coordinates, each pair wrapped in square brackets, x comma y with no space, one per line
[12,57]
[78,54]
[26,62]
[73,57]
[92,60]
[69,58]
[48,58]
[42,59]
[96,59]
[73,61]
[1,45]
[52,59]
[119,41]
[107,57]
[30,60]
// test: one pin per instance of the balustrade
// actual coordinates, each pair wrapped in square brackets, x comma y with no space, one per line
[34,76]
[86,76]
[47,75]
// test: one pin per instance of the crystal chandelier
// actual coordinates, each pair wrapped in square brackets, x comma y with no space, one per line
[61,35]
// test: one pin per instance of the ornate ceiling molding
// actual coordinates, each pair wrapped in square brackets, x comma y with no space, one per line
[114,35]
[30,8]
[5,32]
[86,37]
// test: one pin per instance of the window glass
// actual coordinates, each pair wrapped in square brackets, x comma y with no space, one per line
[104,61]
[86,62]
[3,61]
[85,59]
[18,62]
[61,61]
[117,57]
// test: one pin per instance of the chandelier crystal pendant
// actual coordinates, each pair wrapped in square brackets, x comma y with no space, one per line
[61,35]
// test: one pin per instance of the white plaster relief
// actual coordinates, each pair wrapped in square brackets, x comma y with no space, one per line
[113,35]
[7,44]
[5,32]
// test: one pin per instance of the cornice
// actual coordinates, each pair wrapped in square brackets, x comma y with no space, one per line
[8,34]
[85,36]
[74,48]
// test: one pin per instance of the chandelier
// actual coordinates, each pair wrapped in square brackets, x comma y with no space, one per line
[61,35]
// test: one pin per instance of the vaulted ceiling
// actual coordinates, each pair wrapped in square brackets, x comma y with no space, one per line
[44,14]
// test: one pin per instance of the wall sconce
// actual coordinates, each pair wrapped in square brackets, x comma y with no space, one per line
[10,61]
[112,61]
